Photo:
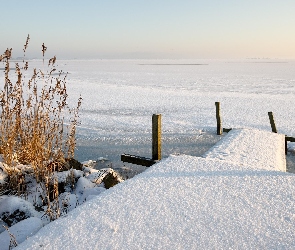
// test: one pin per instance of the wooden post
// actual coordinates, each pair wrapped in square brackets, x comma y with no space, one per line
[218,118]
[156,137]
[272,122]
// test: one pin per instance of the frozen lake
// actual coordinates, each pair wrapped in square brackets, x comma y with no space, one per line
[120,96]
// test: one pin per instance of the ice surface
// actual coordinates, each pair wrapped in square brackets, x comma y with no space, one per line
[120,97]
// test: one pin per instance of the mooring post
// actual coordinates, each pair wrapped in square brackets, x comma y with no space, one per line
[156,137]
[272,122]
[218,118]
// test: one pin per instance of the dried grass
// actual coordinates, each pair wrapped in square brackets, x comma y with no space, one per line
[32,130]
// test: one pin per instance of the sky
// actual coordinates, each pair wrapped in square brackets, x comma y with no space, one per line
[194,29]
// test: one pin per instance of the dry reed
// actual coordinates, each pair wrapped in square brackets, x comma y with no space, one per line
[32,118]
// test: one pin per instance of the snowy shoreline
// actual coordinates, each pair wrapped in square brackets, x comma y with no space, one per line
[120,97]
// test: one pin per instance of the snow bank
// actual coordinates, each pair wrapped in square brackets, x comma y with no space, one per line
[14,209]
[183,202]
[251,147]
[21,231]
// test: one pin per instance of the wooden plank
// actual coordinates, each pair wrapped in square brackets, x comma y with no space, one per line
[218,118]
[272,122]
[143,161]
[156,137]
[290,139]
[226,130]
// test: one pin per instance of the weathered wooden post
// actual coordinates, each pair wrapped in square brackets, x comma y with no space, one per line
[272,122]
[218,118]
[156,137]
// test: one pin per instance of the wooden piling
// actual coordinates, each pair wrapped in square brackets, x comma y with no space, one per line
[272,122]
[156,137]
[218,118]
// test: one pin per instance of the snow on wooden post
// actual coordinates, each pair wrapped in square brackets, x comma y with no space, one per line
[218,118]
[272,122]
[156,137]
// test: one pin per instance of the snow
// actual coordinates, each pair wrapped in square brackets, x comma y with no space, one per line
[3,174]
[10,204]
[185,202]
[259,149]
[21,231]
[185,210]
[232,197]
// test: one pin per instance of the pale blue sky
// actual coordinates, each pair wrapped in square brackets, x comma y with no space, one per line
[150,28]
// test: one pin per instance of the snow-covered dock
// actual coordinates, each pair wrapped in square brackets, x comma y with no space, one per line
[222,201]
[251,147]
